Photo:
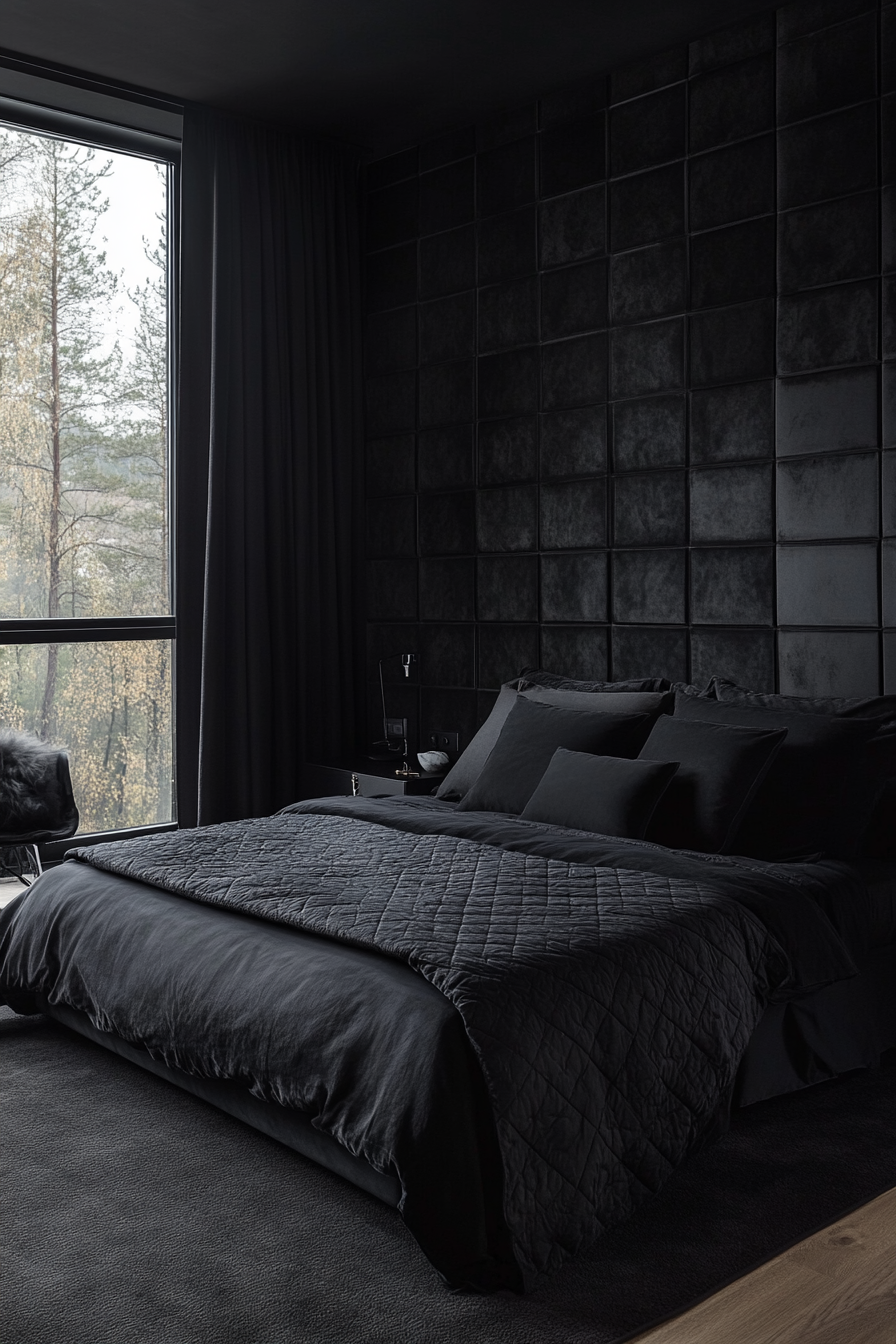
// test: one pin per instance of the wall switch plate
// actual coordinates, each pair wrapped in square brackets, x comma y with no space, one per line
[443,741]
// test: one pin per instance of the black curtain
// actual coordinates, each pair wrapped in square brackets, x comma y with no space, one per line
[267,473]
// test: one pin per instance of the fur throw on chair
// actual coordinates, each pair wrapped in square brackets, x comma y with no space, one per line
[35,787]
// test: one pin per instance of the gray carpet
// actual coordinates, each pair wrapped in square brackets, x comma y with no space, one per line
[136,1214]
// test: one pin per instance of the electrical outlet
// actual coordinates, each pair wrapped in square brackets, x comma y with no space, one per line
[443,742]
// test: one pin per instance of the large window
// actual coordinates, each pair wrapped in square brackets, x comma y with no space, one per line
[85,571]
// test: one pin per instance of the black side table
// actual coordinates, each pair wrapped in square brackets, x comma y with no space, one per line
[365,778]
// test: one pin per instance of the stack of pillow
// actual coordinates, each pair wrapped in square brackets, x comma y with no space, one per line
[723,770]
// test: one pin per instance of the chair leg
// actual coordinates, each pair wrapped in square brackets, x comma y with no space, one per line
[29,878]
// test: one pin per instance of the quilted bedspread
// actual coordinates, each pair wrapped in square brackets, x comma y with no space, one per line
[608,1006]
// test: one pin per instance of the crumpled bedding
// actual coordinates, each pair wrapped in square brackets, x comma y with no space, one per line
[608,988]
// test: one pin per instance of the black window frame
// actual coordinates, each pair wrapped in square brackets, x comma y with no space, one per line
[19,114]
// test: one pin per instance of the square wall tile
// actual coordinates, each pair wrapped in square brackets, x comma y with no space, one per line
[648,651]
[730,184]
[734,43]
[733,585]
[447,590]
[382,642]
[391,465]
[572,102]
[828,327]
[649,433]
[647,358]
[824,412]
[649,587]
[445,458]
[508,450]
[889,643]
[888,228]
[572,155]
[574,443]
[574,372]
[457,144]
[732,103]
[448,262]
[393,168]
[446,523]
[574,587]
[827,70]
[828,662]
[650,282]
[888,322]
[828,497]
[446,197]
[392,526]
[505,177]
[731,423]
[448,328]
[508,383]
[650,510]
[733,264]
[391,214]
[391,403]
[810,16]
[504,650]
[648,131]
[666,67]
[390,340]
[573,300]
[888,139]
[507,588]
[507,518]
[888,582]
[744,656]
[508,314]
[827,585]
[647,208]
[448,655]
[446,393]
[830,156]
[573,227]
[888,490]
[573,515]
[446,709]
[821,244]
[391,590]
[574,651]
[889,404]
[511,124]
[506,246]
[731,344]
[732,503]
[391,278]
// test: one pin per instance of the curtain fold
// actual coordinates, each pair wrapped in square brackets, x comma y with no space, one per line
[268,470]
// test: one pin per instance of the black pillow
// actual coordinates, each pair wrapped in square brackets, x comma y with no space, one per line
[536,677]
[720,768]
[817,795]
[879,838]
[606,794]
[531,734]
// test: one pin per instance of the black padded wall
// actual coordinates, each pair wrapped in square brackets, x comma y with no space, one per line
[631,376]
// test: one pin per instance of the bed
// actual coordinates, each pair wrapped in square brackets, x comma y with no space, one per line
[510,1028]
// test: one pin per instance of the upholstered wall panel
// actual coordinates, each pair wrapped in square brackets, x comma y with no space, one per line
[631,376]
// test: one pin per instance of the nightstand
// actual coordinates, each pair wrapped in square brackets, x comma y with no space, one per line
[364,778]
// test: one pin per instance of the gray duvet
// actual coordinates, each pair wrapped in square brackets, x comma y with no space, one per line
[608,989]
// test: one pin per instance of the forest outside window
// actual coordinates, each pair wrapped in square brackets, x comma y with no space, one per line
[86,631]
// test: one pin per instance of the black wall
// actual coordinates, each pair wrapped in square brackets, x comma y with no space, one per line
[627,388]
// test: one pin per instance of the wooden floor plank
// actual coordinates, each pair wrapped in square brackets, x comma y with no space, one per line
[838,1287]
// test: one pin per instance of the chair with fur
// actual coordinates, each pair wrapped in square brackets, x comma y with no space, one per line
[36,801]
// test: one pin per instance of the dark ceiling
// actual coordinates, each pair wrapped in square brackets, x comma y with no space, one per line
[381,73]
